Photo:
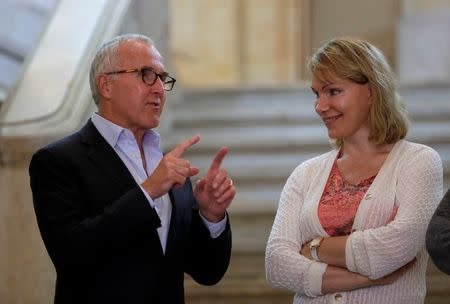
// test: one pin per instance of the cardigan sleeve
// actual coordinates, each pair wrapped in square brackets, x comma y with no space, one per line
[377,252]
[285,267]
[438,235]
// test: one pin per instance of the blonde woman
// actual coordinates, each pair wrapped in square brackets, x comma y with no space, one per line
[351,223]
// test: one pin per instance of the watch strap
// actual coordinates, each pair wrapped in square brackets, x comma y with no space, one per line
[313,248]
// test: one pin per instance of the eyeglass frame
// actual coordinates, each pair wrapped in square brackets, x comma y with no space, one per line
[142,70]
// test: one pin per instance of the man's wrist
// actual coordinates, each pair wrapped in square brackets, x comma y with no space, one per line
[212,218]
[148,190]
[215,229]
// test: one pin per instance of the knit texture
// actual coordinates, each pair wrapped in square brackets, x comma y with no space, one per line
[410,180]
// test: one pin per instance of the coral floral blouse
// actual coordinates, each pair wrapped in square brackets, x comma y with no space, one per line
[340,201]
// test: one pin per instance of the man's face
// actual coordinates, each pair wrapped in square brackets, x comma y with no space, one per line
[131,103]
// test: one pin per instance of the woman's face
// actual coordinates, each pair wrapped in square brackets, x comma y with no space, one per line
[343,106]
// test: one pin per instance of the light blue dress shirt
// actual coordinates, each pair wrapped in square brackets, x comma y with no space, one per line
[123,142]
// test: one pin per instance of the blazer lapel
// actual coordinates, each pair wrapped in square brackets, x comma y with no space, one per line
[104,156]
[111,167]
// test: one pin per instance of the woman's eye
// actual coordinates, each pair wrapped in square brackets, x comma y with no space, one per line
[333,92]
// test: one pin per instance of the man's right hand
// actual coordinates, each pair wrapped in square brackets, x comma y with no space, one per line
[172,171]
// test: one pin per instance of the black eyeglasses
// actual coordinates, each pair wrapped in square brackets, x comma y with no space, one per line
[149,77]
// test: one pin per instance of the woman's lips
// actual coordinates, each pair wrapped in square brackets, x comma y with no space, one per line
[331,119]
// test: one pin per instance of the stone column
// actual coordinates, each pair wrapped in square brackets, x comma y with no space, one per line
[423,47]
[26,272]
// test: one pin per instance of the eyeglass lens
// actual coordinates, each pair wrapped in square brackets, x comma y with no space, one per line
[150,78]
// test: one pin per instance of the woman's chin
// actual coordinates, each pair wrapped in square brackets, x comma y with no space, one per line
[332,135]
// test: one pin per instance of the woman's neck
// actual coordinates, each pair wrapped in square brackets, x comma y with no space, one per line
[359,148]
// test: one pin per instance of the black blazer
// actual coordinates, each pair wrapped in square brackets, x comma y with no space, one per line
[100,230]
[438,235]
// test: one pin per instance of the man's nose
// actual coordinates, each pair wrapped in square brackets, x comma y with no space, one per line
[158,86]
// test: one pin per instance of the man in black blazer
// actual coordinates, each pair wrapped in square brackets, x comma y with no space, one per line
[120,221]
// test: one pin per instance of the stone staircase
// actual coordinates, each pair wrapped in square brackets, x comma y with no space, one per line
[22,23]
[269,132]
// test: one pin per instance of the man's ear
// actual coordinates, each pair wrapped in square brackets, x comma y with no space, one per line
[104,85]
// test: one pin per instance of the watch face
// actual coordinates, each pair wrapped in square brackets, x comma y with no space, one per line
[316,242]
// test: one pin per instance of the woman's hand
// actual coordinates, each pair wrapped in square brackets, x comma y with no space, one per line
[305,251]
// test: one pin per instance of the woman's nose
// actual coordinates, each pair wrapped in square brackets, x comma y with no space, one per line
[321,105]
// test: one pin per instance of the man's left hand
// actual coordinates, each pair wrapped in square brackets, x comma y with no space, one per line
[215,191]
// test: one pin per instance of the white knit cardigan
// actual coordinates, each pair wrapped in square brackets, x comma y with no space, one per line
[410,178]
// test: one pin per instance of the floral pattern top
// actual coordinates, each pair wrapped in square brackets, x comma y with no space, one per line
[340,201]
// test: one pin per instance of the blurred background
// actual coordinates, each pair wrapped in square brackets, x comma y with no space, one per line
[241,82]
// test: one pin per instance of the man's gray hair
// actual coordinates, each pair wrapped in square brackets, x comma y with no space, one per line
[106,59]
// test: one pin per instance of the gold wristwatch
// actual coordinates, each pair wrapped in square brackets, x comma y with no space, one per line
[313,246]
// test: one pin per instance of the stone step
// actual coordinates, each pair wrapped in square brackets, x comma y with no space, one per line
[279,138]
[244,138]
[260,199]
[263,166]
[261,110]
[237,108]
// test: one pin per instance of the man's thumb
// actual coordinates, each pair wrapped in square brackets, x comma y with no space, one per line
[193,171]
[200,184]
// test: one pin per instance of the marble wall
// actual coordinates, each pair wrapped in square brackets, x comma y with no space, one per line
[26,273]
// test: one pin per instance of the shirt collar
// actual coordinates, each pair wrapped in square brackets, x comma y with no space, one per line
[112,132]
